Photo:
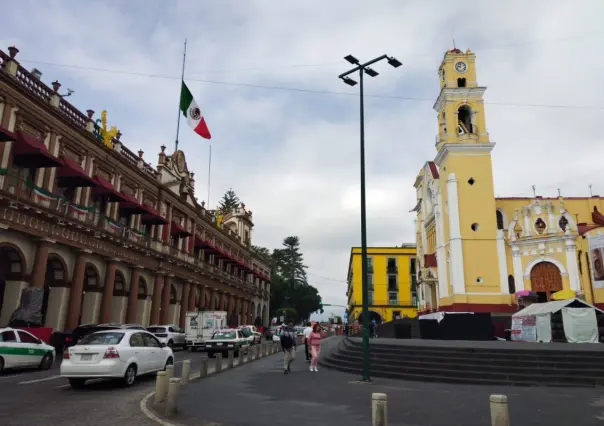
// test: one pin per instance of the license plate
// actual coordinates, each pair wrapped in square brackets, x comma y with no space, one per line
[218,344]
[86,357]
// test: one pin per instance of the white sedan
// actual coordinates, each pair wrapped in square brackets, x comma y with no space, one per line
[115,354]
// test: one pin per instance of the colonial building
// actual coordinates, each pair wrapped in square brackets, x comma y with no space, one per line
[102,235]
[476,251]
[391,280]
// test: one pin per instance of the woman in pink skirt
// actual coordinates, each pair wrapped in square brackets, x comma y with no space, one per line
[314,342]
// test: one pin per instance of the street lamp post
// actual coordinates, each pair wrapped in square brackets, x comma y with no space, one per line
[364,68]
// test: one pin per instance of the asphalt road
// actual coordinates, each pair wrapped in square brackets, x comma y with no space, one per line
[32,397]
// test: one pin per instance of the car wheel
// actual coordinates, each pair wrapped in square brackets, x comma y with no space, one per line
[169,361]
[77,383]
[184,347]
[46,362]
[193,349]
[130,375]
[1,365]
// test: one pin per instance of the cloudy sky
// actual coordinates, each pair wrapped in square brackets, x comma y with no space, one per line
[285,130]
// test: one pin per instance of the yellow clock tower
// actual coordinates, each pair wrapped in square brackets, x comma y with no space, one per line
[466,184]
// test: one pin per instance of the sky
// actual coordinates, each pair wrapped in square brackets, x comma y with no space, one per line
[285,130]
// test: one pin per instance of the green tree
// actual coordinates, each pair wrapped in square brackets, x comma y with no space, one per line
[229,202]
[291,261]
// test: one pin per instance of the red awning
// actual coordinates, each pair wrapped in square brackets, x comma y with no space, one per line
[72,175]
[597,217]
[6,135]
[176,229]
[131,206]
[30,152]
[105,189]
[152,217]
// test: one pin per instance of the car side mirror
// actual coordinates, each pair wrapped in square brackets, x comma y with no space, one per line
[163,345]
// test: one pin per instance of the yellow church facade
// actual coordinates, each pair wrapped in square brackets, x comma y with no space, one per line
[478,253]
[392,283]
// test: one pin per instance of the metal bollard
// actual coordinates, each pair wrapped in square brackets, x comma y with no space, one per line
[172,400]
[203,372]
[186,371]
[379,409]
[500,415]
[161,386]
[169,371]
[218,367]
[230,359]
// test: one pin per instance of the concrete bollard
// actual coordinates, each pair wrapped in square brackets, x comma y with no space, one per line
[186,371]
[161,386]
[247,355]
[169,372]
[218,367]
[230,359]
[172,400]
[240,358]
[261,350]
[254,352]
[203,371]
[500,415]
[379,409]
[266,352]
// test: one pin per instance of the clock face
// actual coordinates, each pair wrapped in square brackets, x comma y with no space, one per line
[461,67]
[180,161]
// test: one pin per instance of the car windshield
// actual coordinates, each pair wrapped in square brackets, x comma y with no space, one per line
[109,338]
[155,330]
[245,332]
[224,335]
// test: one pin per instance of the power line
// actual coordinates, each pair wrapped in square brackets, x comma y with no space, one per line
[321,92]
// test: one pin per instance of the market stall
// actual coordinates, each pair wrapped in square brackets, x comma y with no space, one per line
[570,320]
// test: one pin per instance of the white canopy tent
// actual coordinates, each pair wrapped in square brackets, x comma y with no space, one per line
[534,323]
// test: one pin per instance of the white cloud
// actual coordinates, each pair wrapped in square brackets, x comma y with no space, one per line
[293,157]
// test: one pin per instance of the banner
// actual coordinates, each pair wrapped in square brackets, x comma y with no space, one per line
[524,328]
[596,258]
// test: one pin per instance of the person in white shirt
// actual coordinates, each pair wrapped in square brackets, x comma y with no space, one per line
[307,332]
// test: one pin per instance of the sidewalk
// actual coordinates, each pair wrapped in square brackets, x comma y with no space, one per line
[260,394]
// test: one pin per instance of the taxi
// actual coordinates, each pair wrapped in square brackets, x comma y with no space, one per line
[20,349]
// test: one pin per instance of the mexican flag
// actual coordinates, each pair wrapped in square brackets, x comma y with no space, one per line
[191,110]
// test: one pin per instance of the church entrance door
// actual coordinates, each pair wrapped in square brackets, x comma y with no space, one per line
[545,280]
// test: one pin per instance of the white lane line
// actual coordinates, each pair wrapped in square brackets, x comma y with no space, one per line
[29,382]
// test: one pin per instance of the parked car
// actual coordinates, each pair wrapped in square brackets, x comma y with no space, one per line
[277,335]
[84,330]
[227,340]
[253,331]
[115,354]
[170,334]
[20,349]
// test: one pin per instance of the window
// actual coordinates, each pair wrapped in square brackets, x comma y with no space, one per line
[499,219]
[151,341]
[27,338]
[511,285]
[369,265]
[391,265]
[136,340]
[540,226]
[392,298]
[370,298]
[464,120]
[412,266]
[396,315]
[461,82]
[370,281]
[392,283]
[8,336]
[563,223]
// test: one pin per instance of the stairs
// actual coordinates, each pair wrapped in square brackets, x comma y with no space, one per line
[492,363]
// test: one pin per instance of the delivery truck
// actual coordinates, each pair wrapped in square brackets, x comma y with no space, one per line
[202,325]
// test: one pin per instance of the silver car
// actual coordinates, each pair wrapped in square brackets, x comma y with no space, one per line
[171,334]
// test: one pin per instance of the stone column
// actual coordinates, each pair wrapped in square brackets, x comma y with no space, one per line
[108,292]
[156,300]
[75,293]
[186,293]
[245,319]
[192,298]
[133,296]
[165,301]
[223,302]
[39,271]
[213,295]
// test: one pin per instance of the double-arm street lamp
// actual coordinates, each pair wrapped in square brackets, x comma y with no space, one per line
[364,69]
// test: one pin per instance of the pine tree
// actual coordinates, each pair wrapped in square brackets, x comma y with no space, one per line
[230,201]
[293,268]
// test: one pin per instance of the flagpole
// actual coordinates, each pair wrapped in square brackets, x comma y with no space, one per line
[182,79]
[209,174]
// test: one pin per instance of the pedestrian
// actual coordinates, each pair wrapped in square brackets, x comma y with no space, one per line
[314,341]
[288,345]
[307,331]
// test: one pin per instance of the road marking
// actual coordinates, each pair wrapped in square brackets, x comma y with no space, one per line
[152,415]
[29,382]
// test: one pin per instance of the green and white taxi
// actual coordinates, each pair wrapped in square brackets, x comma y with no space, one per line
[20,349]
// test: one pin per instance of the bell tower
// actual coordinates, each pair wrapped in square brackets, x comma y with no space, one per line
[464,160]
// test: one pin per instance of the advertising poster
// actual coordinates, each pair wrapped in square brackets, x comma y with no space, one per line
[596,258]
[524,329]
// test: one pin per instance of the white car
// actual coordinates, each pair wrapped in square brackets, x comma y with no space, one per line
[19,349]
[115,354]
[254,335]
[171,335]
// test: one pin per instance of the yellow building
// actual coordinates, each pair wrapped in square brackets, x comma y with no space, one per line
[391,279]
[476,251]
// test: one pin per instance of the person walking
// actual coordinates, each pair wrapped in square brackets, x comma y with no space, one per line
[314,341]
[307,332]
[288,345]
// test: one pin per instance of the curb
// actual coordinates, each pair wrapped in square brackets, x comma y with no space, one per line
[150,412]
